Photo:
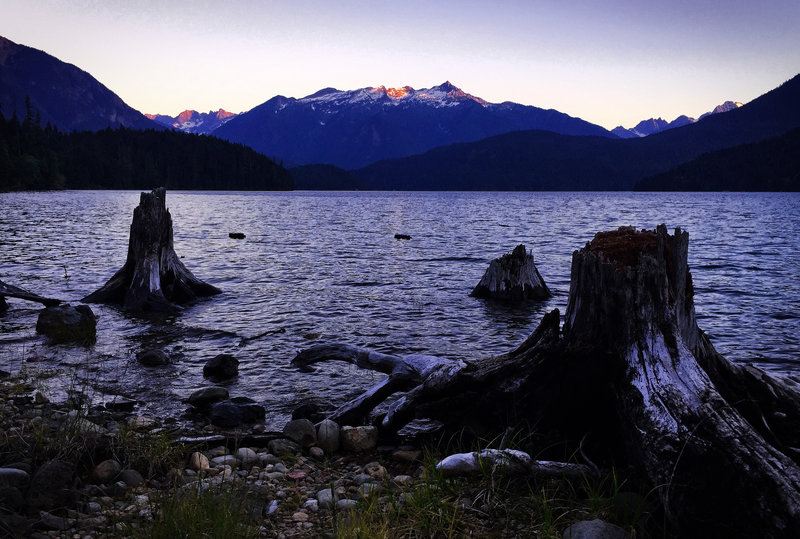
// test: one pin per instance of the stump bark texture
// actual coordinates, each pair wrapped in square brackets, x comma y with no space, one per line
[153,278]
[633,373]
[512,277]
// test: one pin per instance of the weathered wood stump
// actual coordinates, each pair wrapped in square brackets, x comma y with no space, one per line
[631,369]
[153,278]
[11,291]
[512,277]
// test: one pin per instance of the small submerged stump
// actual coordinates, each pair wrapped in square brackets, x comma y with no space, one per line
[512,277]
[153,278]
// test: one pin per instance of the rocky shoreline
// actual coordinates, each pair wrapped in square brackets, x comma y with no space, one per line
[75,470]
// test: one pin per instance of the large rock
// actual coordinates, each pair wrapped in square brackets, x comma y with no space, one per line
[52,485]
[228,414]
[66,323]
[595,529]
[207,395]
[512,277]
[358,439]
[301,431]
[328,436]
[221,367]
[106,471]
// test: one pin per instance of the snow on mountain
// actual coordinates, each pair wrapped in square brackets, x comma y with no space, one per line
[656,125]
[352,128]
[191,121]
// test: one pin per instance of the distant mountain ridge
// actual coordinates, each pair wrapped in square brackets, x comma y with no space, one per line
[353,128]
[540,160]
[191,121]
[63,95]
[657,125]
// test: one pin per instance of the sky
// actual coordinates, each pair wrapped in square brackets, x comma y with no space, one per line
[611,63]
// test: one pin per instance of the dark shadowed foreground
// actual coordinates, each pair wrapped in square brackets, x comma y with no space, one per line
[632,372]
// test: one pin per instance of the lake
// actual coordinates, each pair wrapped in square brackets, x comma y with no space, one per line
[325,266]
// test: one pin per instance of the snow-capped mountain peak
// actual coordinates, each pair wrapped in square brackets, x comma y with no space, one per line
[443,95]
[656,125]
[192,121]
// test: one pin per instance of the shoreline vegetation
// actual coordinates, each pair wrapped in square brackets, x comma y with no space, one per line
[75,469]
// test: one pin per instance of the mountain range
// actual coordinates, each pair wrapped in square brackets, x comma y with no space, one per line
[540,160]
[351,129]
[191,121]
[432,138]
[63,95]
[657,125]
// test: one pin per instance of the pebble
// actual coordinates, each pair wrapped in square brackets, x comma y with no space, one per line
[300,516]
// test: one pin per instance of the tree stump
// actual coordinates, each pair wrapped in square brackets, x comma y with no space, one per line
[631,369]
[512,277]
[153,278]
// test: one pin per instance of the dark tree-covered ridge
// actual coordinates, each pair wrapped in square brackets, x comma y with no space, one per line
[33,157]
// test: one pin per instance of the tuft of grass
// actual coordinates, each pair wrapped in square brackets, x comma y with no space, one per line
[152,454]
[201,511]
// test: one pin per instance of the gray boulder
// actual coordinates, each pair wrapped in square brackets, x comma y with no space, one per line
[301,431]
[328,436]
[66,323]
[52,485]
[512,277]
[283,447]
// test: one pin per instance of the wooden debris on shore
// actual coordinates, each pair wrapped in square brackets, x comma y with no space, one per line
[153,278]
[631,370]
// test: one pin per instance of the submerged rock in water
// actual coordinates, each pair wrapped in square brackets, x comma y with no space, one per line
[512,277]
[152,357]
[66,323]
[221,367]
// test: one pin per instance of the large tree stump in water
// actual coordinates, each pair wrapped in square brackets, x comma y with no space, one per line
[153,277]
[719,442]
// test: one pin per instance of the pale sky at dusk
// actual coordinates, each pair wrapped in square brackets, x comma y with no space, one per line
[611,63]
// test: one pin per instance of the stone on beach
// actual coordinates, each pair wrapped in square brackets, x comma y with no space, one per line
[359,439]
[301,431]
[328,436]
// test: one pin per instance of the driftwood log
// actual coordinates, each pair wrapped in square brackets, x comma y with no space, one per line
[512,277]
[632,371]
[153,278]
[11,291]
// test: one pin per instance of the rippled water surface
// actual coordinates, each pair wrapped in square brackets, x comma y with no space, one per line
[326,267]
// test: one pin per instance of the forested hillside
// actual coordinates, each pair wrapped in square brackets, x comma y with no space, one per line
[36,157]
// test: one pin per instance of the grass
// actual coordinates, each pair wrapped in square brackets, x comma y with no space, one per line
[491,504]
[219,511]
